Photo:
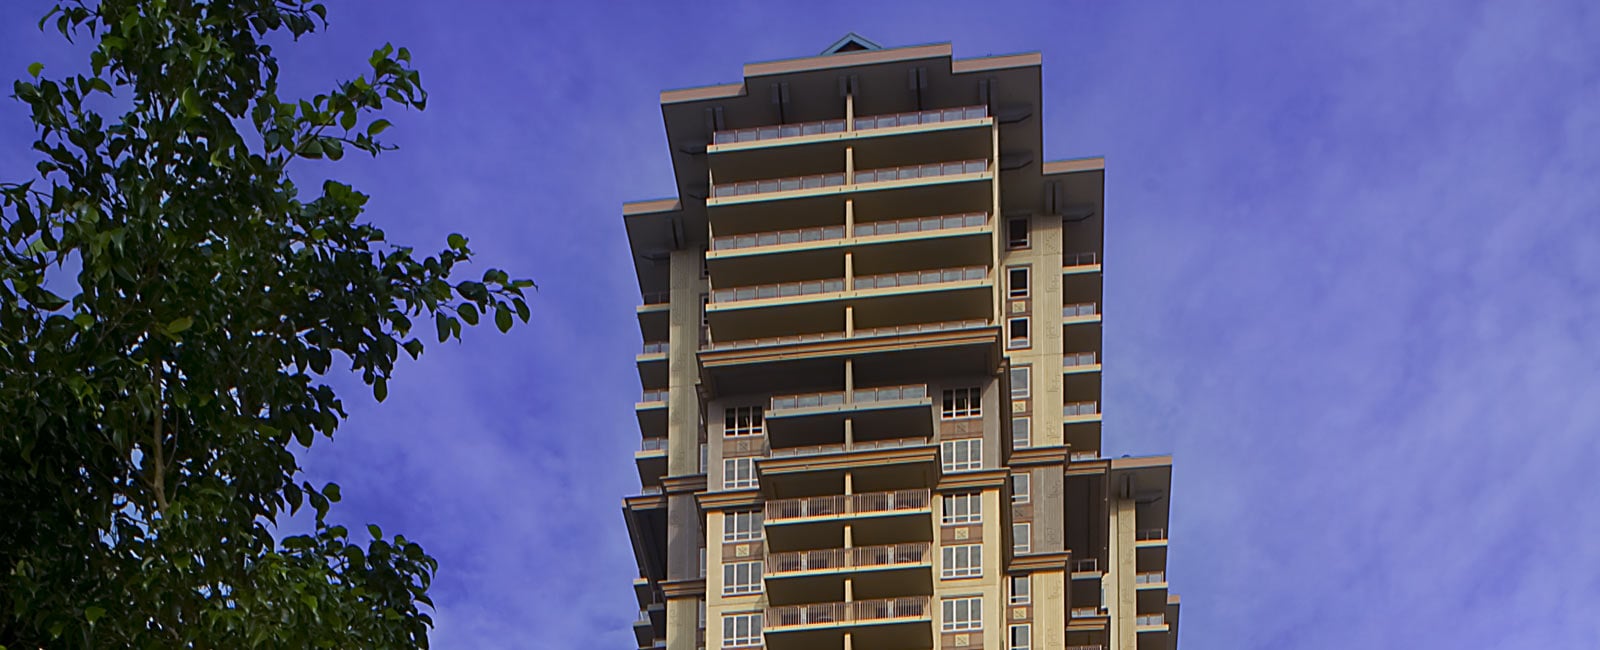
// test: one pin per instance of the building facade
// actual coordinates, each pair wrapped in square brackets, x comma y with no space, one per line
[871,369]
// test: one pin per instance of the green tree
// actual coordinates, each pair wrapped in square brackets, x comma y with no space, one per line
[148,415]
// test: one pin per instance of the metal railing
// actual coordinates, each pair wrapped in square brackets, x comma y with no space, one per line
[653,444]
[853,611]
[1090,564]
[1086,647]
[922,224]
[846,504]
[1085,612]
[934,116]
[778,132]
[657,297]
[1150,535]
[834,336]
[1078,359]
[1080,259]
[779,290]
[931,170]
[1143,620]
[653,396]
[922,327]
[777,237]
[1080,408]
[1085,455]
[860,396]
[768,186]
[860,445]
[651,489]
[655,347]
[846,558]
[1150,578]
[914,278]
[1079,310]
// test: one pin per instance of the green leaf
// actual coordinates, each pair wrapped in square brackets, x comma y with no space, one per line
[180,325]
[380,388]
[469,313]
[93,613]
[377,533]
[377,126]
[331,491]
[502,318]
[457,242]
[83,319]
[34,69]
[191,102]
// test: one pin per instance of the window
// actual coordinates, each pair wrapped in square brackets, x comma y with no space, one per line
[1019,333]
[962,509]
[1021,637]
[741,578]
[962,562]
[1021,590]
[705,299]
[1021,486]
[1017,282]
[702,458]
[702,561]
[1021,433]
[1021,382]
[700,623]
[961,614]
[742,421]
[1021,538]
[1017,233]
[962,455]
[962,403]
[741,630]
[738,473]
[741,525]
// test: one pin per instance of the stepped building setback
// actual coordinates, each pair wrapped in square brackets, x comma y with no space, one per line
[871,369]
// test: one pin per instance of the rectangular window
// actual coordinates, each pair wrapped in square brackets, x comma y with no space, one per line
[740,630]
[741,525]
[1021,538]
[1017,282]
[962,403]
[700,623]
[1021,590]
[1018,337]
[962,455]
[702,561]
[742,421]
[1021,382]
[962,509]
[962,614]
[738,473]
[705,299]
[741,578]
[1021,487]
[1021,433]
[1017,233]
[962,562]
[1021,637]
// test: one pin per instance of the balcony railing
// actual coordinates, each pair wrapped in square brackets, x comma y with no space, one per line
[780,290]
[1086,612]
[850,612]
[655,347]
[1150,578]
[860,445]
[1086,565]
[1080,408]
[922,224]
[651,489]
[1085,455]
[1144,620]
[653,396]
[846,504]
[657,297]
[1079,359]
[1150,535]
[1086,647]
[860,333]
[778,132]
[1080,310]
[914,278]
[934,116]
[931,170]
[768,186]
[847,558]
[1080,259]
[777,238]
[653,444]
[861,396]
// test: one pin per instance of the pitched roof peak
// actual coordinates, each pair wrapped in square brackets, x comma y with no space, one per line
[851,42]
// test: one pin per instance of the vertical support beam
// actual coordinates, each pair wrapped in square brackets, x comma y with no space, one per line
[849,433]
[1121,594]
[849,321]
[683,340]
[849,165]
[849,112]
[849,271]
[849,217]
[849,381]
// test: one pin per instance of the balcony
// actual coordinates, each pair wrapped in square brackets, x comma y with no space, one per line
[1078,362]
[844,506]
[1150,537]
[913,613]
[1087,612]
[818,418]
[1150,579]
[901,330]
[651,410]
[841,448]
[651,459]
[652,365]
[1080,411]
[1088,568]
[811,576]
[1083,312]
[779,132]
[916,118]
[834,236]
[868,180]
[838,560]
[1080,262]
[1150,623]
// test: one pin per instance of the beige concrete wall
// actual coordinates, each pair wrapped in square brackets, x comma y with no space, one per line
[1121,594]
[683,401]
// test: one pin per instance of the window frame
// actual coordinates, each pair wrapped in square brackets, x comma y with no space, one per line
[961,561]
[1025,597]
[973,515]
[950,453]
[754,520]
[1027,382]
[1024,495]
[732,586]
[1021,538]
[1011,284]
[1014,342]
[1013,241]
[744,421]
[1027,429]
[951,406]
[753,627]
[1027,632]
[949,608]
[731,466]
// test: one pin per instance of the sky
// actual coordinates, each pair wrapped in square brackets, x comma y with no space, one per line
[1352,283]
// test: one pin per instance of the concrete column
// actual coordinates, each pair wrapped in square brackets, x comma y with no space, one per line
[849,381]
[683,340]
[849,433]
[849,321]
[849,271]
[1121,595]
[849,112]
[849,165]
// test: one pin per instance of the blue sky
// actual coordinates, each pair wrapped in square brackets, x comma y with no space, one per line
[1352,284]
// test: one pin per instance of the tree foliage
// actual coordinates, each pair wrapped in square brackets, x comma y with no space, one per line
[148,414]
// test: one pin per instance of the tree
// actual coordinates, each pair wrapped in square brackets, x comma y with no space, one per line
[147,415]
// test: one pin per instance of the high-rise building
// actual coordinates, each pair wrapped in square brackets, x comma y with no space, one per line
[871,368]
